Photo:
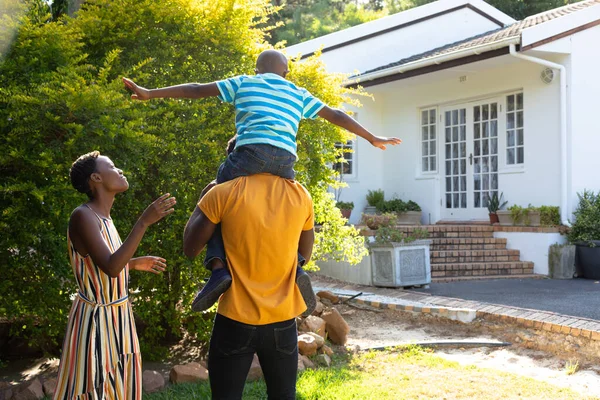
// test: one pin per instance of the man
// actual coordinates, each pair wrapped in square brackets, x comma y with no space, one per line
[265,220]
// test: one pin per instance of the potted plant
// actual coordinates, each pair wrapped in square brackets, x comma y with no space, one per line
[345,207]
[409,213]
[374,197]
[495,203]
[375,221]
[549,216]
[585,234]
[520,216]
[400,259]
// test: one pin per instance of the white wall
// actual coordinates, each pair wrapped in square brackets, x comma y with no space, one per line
[399,44]
[533,247]
[399,103]
[584,112]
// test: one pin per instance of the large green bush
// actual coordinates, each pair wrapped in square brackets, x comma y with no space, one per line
[61,96]
[587,218]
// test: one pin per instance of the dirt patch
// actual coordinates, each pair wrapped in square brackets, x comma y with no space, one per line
[371,329]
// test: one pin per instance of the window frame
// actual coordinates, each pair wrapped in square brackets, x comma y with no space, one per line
[515,166]
[435,141]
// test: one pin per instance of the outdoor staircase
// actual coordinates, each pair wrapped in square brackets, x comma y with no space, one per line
[466,252]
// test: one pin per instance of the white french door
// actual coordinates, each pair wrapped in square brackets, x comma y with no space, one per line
[470,154]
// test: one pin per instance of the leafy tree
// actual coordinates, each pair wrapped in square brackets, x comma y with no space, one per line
[61,96]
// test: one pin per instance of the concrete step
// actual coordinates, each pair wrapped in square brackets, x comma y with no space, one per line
[474,256]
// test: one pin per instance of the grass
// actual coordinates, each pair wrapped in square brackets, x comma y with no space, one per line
[571,367]
[396,374]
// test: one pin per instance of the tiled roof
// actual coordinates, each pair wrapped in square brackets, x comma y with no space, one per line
[511,31]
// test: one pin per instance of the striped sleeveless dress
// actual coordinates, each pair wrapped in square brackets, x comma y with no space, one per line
[101,355]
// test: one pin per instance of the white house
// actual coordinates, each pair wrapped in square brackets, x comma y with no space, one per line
[483,103]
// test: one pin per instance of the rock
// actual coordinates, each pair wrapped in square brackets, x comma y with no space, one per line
[308,362]
[301,366]
[318,309]
[318,338]
[327,303]
[31,390]
[6,390]
[325,294]
[255,372]
[152,381]
[336,327]
[324,360]
[326,350]
[313,324]
[307,345]
[49,387]
[191,372]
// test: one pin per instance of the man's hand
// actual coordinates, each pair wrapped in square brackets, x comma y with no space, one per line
[139,93]
[379,141]
[156,265]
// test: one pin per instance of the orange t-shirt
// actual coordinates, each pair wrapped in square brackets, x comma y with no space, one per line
[262,217]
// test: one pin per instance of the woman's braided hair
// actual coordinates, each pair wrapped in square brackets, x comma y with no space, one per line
[81,170]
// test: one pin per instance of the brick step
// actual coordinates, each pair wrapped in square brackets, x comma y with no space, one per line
[474,256]
[479,278]
[481,269]
[451,231]
[441,244]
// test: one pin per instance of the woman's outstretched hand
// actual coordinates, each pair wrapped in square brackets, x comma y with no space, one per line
[159,209]
[153,264]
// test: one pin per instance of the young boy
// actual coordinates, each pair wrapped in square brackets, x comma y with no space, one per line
[268,110]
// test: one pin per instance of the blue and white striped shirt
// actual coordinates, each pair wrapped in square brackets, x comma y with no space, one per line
[268,109]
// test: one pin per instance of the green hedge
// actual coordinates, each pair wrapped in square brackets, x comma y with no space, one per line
[61,96]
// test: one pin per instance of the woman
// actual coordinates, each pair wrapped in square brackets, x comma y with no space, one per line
[101,355]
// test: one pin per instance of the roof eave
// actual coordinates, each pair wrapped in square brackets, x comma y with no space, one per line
[435,60]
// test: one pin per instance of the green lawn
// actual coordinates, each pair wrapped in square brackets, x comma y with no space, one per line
[396,374]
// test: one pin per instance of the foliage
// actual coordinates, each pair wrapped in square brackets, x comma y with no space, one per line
[375,197]
[389,234]
[587,218]
[495,203]
[61,96]
[549,216]
[397,205]
[301,20]
[345,205]
[376,221]
[520,214]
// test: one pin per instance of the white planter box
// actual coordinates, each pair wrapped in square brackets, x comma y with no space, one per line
[399,264]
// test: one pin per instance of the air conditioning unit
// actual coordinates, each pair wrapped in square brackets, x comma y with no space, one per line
[401,264]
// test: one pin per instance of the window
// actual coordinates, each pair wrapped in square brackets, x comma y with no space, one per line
[515,143]
[347,167]
[428,141]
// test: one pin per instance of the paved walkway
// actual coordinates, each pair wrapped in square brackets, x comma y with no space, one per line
[467,307]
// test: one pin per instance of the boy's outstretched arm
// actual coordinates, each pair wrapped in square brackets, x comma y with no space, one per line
[184,91]
[340,118]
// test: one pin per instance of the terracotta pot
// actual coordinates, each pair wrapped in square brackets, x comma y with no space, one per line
[494,218]
[346,213]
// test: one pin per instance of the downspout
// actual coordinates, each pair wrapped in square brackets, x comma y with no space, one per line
[564,195]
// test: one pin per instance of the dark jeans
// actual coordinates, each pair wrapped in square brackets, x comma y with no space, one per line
[244,161]
[232,347]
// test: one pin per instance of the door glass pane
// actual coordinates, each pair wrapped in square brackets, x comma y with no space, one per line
[484,111]
[477,200]
[454,117]
[448,184]
[448,135]
[424,133]
[510,121]
[485,148]
[510,103]
[463,149]
[455,167]
[448,200]
[485,165]
[454,150]
[520,137]
[477,182]
[432,132]
[456,204]
[519,119]
[494,146]
[463,166]
[432,163]
[455,134]
[463,133]
[448,122]
[485,184]
[493,128]
[494,111]
[463,113]
[520,101]
[448,151]
[485,132]
[424,149]
[477,147]
[476,132]
[424,118]
[463,183]
[476,114]
[431,148]
[476,165]
[463,200]
[510,138]
[494,181]
[425,163]
[494,164]
[431,116]
[455,186]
